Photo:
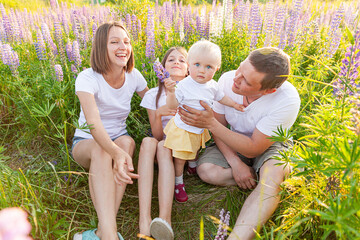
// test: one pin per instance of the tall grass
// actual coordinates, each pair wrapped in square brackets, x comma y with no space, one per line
[38,115]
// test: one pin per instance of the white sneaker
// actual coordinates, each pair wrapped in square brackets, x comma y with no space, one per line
[161,230]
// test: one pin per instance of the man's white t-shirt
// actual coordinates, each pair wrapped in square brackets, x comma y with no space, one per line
[113,104]
[189,92]
[266,113]
[149,102]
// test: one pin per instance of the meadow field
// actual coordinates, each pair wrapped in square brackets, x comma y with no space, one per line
[44,45]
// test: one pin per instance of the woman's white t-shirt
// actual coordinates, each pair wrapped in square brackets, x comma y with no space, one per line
[266,113]
[113,104]
[149,102]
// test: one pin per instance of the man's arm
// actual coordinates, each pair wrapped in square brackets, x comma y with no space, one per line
[248,146]
[243,175]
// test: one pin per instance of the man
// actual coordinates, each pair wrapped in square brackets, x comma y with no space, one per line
[244,154]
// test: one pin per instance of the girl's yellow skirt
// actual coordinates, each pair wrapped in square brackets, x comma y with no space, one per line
[184,144]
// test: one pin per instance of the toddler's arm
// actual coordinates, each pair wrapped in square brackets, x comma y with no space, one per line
[230,103]
[171,101]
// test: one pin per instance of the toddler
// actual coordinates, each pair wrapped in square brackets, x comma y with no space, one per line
[204,60]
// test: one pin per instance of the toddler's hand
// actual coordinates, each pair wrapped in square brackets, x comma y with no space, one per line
[239,107]
[170,85]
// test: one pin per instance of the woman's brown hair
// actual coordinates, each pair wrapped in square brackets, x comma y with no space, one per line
[100,61]
[161,84]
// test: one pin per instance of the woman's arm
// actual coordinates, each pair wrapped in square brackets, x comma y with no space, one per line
[102,138]
[142,93]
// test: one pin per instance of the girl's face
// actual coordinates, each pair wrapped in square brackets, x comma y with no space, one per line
[119,47]
[176,65]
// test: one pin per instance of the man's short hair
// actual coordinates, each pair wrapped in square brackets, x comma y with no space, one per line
[207,47]
[100,61]
[274,62]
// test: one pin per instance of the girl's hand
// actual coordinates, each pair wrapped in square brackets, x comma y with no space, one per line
[170,85]
[123,168]
[239,107]
[165,111]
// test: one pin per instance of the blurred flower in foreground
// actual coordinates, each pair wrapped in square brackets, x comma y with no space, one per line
[14,224]
[223,224]
[160,71]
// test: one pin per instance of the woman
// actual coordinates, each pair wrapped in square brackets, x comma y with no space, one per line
[154,101]
[105,91]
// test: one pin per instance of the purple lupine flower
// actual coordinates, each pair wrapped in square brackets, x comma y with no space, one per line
[74,70]
[228,13]
[150,42]
[279,22]
[160,71]
[69,51]
[255,20]
[47,37]
[269,23]
[293,24]
[58,72]
[139,26]
[134,26]
[128,21]
[346,84]
[334,32]
[223,225]
[75,54]
[40,46]
[94,28]
[10,58]
[8,28]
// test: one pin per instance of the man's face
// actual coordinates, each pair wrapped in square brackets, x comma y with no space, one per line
[247,80]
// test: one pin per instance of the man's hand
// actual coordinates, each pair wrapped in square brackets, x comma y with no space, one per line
[197,118]
[244,176]
[123,168]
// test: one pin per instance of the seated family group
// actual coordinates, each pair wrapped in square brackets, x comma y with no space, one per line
[254,100]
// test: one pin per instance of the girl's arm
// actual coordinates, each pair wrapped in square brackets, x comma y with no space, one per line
[171,100]
[230,103]
[120,157]
[155,120]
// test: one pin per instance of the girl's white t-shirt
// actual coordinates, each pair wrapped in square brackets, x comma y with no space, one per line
[113,104]
[266,113]
[149,102]
[189,92]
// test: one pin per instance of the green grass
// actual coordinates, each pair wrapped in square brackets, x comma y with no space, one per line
[320,200]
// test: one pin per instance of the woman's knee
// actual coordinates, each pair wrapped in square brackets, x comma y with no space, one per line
[149,142]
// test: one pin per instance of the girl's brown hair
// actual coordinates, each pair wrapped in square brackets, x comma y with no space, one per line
[100,61]
[161,84]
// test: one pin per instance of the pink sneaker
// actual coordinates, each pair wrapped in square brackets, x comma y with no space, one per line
[191,170]
[180,194]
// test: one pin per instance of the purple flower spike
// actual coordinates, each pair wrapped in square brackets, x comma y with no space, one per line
[58,72]
[160,71]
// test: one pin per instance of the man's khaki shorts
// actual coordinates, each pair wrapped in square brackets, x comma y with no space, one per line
[213,155]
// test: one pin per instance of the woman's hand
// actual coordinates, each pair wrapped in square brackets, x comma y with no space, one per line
[123,167]
[165,111]
[197,118]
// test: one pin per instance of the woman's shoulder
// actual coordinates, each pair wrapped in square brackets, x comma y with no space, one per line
[88,73]
[134,73]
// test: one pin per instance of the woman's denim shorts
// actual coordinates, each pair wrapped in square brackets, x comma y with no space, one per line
[77,139]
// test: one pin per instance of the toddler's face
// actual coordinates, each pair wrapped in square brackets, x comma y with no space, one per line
[202,67]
